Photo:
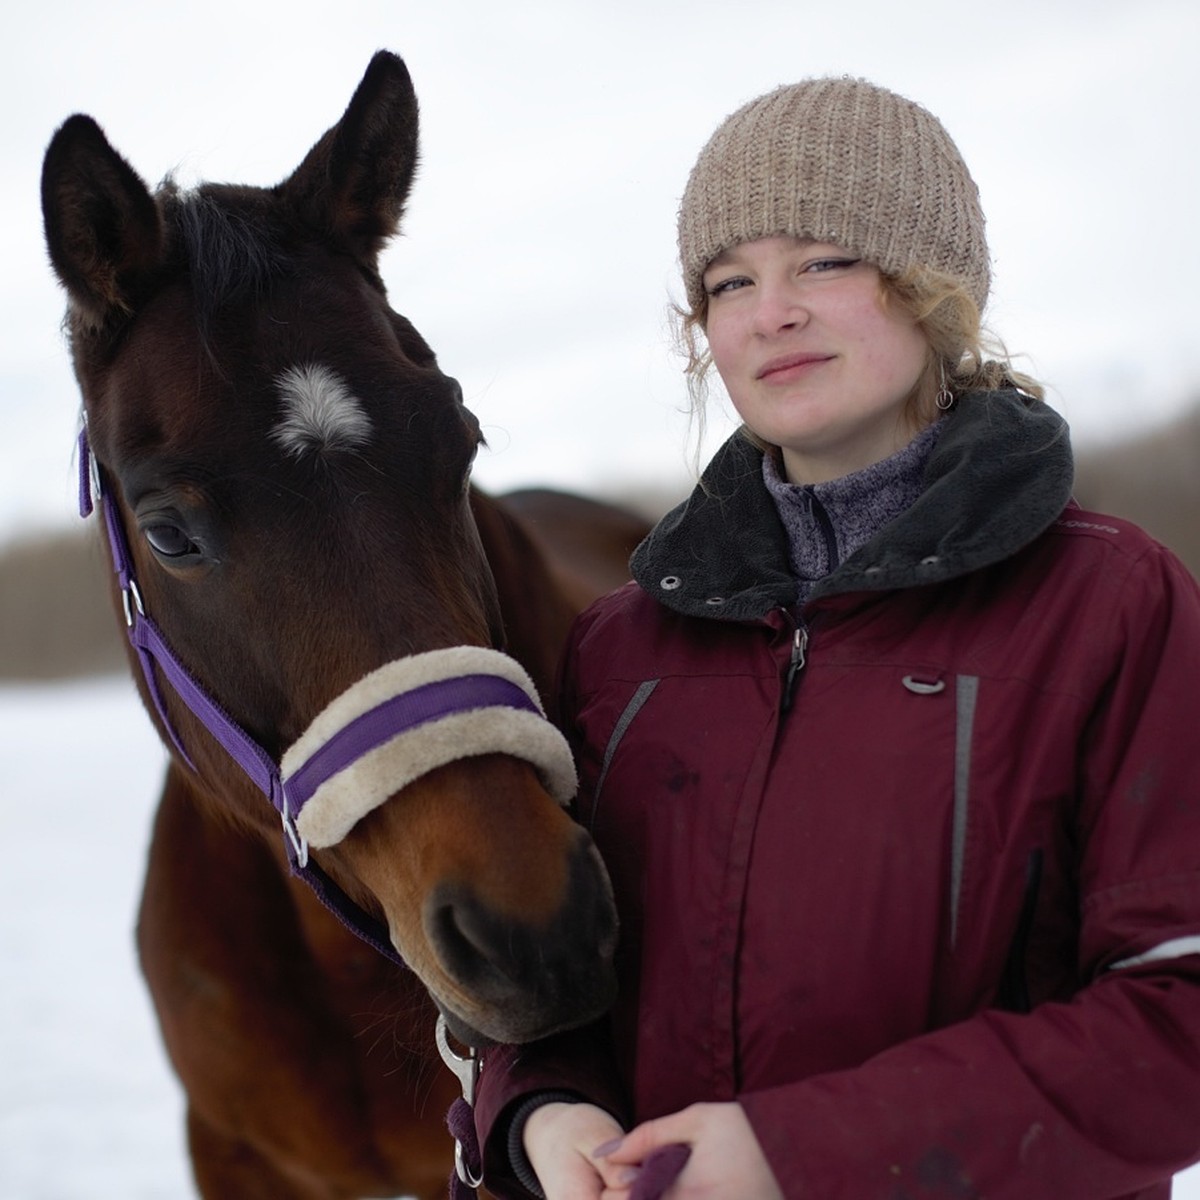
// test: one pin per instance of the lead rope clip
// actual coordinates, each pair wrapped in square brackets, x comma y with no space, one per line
[461,1119]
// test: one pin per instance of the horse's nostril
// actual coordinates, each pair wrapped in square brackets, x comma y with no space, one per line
[555,953]
[529,975]
[464,938]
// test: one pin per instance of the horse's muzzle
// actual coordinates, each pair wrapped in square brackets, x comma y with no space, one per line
[528,980]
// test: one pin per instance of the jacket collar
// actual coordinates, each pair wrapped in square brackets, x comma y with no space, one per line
[999,476]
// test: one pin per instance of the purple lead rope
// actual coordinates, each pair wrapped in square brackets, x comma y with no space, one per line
[659,1171]
[460,1120]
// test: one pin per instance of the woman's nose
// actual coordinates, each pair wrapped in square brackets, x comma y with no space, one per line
[779,308]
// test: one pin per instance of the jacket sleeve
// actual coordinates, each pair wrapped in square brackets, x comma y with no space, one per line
[1095,1097]
[578,1064]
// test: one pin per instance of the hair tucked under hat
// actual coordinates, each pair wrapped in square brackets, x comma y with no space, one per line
[836,160]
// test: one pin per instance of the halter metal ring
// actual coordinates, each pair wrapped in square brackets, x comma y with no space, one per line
[461,1168]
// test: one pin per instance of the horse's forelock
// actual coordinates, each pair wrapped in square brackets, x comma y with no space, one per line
[226,243]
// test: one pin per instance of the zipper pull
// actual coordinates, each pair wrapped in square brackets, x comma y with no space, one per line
[796,665]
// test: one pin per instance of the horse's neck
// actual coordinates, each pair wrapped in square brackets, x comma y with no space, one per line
[535,606]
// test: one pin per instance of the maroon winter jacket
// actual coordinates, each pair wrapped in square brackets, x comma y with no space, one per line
[913,873]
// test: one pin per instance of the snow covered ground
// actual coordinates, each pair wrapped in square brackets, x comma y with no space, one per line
[88,1107]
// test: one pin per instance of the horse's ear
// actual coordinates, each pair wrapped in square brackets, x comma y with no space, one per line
[103,228]
[353,183]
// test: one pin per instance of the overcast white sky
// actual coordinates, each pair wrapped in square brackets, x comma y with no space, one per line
[538,258]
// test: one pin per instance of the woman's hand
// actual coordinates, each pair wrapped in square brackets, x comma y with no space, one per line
[726,1160]
[559,1140]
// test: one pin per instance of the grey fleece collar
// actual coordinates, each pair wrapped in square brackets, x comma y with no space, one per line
[1000,475]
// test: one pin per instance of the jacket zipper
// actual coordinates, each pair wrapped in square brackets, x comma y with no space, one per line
[796,664]
[799,656]
[825,525]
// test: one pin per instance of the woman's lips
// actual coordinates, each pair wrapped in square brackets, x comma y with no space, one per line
[790,364]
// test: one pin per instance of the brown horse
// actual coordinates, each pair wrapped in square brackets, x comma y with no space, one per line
[285,472]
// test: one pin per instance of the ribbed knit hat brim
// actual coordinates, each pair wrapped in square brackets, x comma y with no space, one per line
[837,160]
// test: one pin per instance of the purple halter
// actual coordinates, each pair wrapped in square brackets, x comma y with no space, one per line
[370,730]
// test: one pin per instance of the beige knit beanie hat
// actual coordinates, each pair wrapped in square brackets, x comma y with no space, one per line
[837,160]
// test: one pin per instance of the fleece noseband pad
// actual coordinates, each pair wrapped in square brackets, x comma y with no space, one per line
[407,718]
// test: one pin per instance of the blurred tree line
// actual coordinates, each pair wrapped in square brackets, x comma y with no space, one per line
[57,621]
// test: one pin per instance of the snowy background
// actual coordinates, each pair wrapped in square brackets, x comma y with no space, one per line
[538,261]
[88,1107]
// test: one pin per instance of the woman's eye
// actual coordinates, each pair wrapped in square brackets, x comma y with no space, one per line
[169,541]
[821,265]
[728,285]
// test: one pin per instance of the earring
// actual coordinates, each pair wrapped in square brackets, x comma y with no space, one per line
[945,397]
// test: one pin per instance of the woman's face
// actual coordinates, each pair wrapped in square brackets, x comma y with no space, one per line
[810,356]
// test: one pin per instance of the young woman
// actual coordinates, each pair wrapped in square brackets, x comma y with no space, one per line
[891,749]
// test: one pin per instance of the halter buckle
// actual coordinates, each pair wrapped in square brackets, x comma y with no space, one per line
[298,844]
[131,598]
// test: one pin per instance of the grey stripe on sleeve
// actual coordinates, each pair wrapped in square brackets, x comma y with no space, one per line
[1163,952]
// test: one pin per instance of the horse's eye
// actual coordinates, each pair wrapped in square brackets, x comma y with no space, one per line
[169,541]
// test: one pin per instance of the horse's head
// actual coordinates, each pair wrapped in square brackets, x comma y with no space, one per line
[290,467]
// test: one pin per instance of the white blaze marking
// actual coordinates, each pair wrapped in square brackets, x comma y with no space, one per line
[319,412]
